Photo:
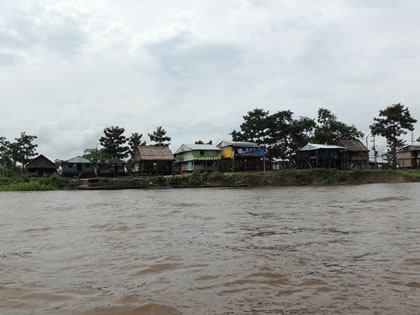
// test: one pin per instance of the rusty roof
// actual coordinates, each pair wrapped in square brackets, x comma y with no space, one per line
[41,162]
[353,145]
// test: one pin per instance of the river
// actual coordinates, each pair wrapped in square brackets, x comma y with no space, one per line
[286,250]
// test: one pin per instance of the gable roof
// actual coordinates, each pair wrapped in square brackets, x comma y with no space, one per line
[354,145]
[196,147]
[41,162]
[153,153]
[78,159]
[239,144]
[315,146]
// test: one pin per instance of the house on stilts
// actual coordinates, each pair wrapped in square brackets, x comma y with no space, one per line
[151,160]
[197,157]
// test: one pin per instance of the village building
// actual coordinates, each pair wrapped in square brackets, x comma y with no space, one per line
[41,166]
[78,166]
[409,156]
[149,159]
[111,167]
[197,157]
[241,156]
[355,155]
[319,156]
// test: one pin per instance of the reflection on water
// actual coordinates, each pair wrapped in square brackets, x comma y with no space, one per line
[296,250]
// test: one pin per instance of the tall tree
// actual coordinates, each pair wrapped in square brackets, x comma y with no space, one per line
[393,121]
[23,149]
[159,137]
[329,129]
[134,141]
[113,142]
[255,127]
[6,162]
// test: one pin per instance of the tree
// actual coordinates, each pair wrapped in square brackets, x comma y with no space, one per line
[254,128]
[114,142]
[201,142]
[393,121]
[94,155]
[418,139]
[6,162]
[159,136]
[134,141]
[329,129]
[23,149]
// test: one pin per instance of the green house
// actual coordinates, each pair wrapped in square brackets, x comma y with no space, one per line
[78,166]
[197,157]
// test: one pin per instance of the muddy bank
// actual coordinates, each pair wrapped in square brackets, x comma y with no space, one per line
[274,178]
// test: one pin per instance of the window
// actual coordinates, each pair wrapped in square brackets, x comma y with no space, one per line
[201,152]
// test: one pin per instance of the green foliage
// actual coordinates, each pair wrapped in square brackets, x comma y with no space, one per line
[254,128]
[159,136]
[393,122]
[134,141]
[113,142]
[94,155]
[195,179]
[24,183]
[328,129]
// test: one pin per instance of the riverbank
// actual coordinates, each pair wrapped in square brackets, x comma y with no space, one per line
[215,179]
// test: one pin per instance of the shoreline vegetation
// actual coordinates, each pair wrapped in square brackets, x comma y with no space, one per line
[289,177]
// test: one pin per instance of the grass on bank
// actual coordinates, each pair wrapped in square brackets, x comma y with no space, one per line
[25,183]
[411,172]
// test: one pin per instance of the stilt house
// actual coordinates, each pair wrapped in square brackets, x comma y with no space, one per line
[319,156]
[409,156]
[41,166]
[78,166]
[241,156]
[150,159]
[197,157]
[355,155]
[111,167]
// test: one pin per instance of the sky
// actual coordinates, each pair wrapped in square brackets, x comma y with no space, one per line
[68,69]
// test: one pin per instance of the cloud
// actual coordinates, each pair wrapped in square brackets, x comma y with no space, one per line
[70,69]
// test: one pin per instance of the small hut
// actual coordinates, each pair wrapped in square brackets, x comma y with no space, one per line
[78,166]
[111,167]
[150,159]
[409,156]
[241,156]
[41,166]
[197,157]
[354,155]
[319,156]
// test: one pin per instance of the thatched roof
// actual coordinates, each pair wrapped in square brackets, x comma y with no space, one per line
[153,153]
[353,145]
[41,162]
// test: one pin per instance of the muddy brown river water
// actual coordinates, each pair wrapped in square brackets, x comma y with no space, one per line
[292,250]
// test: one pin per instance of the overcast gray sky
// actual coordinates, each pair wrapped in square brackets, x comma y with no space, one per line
[68,69]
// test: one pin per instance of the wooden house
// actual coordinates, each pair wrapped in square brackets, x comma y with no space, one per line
[78,166]
[241,156]
[409,156]
[197,157]
[355,155]
[111,167]
[150,159]
[41,166]
[319,156]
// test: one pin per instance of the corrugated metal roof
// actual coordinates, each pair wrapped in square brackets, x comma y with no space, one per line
[78,159]
[153,153]
[353,145]
[315,146]
[196,147]
[240,144]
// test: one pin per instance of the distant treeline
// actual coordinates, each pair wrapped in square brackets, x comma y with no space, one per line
[281,132]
